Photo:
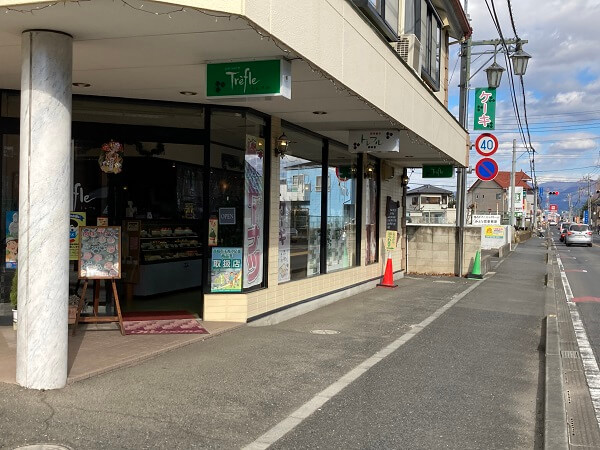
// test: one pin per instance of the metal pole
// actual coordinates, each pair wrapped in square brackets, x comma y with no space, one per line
[535,200]
[512,184]
[570,208]
[461,179]
[589,221]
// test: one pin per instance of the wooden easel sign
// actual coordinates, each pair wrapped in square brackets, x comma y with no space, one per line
[99,259]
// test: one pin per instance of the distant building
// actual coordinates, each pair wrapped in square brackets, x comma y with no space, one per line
[429,204]
[491,197]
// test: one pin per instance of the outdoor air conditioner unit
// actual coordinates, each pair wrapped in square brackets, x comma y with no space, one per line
[408,47]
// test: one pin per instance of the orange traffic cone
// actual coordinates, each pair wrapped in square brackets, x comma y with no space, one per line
[388,276]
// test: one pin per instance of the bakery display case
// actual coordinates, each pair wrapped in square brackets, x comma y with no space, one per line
[171,257]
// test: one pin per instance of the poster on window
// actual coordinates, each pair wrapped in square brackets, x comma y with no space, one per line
[77,220]
[226,269]
[254,211]
[285,237]
[313,262]
[12,239]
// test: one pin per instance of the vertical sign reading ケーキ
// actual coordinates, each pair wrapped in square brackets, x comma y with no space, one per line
[485,109]
[254,211]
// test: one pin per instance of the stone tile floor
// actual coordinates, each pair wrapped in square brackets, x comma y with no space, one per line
[100,348]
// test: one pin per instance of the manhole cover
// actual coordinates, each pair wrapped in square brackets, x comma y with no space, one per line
[325,332]
[43,447]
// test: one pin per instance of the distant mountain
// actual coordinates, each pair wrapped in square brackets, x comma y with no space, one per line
[565,188]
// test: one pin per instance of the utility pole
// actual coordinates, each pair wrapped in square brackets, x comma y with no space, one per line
[512,183]
[461,179]
[535,200]
[570,208]
[589,221]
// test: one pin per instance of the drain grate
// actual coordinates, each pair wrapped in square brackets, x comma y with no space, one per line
[571,354]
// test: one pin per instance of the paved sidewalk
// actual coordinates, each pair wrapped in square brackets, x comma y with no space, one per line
[468,379]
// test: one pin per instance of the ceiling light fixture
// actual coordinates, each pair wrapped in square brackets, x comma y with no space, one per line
[188,93]
[82,85]
[320,113]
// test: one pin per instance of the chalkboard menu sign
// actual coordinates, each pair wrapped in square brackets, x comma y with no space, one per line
[391,221]
[100,252]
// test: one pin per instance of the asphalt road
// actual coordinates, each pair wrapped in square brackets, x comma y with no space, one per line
[582,268]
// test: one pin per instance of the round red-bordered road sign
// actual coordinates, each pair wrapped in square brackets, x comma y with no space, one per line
[486,169]
[486,144]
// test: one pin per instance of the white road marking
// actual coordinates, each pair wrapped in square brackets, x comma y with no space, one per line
[590,365]
[308,408]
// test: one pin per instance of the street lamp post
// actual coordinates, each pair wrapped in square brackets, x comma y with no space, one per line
[494,74]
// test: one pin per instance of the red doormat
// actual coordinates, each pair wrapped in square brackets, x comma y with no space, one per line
[164,326]
[162,322]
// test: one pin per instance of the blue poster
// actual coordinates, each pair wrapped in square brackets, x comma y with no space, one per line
[12,239]
[226,269]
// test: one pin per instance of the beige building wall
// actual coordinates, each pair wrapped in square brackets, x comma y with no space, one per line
[241,307]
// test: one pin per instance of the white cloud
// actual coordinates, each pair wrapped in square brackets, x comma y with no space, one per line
[565,98]
[576,146]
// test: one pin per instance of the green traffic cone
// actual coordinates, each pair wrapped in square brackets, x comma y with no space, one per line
[476,272]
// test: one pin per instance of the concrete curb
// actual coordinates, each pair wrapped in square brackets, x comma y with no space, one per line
[555,415]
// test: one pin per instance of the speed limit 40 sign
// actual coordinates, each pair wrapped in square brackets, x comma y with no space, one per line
[486,144]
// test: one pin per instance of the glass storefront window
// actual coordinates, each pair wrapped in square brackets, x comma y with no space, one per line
[371,202]
[300,208]
[9,177]
[341,209]
[237,177]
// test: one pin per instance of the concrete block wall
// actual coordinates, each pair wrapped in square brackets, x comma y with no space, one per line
[241,307]
[432,249]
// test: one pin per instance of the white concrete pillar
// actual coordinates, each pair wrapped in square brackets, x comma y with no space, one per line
[44,196]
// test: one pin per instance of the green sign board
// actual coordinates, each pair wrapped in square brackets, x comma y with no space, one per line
[249,79]
[485,109]
[437,171]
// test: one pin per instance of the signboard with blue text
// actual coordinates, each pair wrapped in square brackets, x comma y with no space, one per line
[226,269]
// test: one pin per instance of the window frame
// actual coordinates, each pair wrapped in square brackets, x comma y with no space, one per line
[326,142]
[428,69]
[375,12]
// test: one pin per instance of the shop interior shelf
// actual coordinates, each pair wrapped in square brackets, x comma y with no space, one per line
[182,236]
[186,247]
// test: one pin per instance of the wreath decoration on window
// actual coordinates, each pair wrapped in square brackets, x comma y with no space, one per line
[111,159]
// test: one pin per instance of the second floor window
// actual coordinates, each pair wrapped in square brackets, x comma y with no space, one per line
[431,45]
[384,14]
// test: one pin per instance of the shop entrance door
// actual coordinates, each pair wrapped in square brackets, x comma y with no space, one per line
[157,198]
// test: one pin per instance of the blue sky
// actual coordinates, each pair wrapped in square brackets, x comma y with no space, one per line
[562,86]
